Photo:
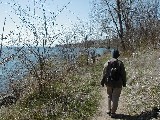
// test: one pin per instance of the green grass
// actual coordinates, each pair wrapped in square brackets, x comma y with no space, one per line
[76,97]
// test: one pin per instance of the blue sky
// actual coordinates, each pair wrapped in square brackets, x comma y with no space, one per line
[77,9]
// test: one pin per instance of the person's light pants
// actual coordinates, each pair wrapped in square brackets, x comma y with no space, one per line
[113,98]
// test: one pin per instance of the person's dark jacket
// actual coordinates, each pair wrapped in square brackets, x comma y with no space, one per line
[122,77]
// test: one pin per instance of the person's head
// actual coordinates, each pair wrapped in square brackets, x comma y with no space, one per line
[115,53]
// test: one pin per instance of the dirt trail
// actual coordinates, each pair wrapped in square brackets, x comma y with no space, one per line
[102,111]
[148,58]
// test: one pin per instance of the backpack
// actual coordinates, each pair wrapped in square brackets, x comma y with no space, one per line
[113,70]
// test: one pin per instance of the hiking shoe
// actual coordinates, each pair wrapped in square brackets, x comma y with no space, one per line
[113,115]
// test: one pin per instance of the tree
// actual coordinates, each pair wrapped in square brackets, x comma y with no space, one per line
[125,19]
[33,40]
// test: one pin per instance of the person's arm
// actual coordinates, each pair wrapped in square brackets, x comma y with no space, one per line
[104,72]
[123,73]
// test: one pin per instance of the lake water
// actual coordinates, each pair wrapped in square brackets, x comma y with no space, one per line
[12,59]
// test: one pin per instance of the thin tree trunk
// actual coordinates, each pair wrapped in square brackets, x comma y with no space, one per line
[120,33]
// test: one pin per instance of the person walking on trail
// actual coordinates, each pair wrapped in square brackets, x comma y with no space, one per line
[114,77]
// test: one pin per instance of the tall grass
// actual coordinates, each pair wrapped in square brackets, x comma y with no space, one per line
[75,94]
[71,96]
[143,88]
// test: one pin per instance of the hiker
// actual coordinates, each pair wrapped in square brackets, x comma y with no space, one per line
[93,56]
[114,77]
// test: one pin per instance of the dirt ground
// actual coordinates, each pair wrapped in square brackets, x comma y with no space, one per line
[102,111]
[121,113]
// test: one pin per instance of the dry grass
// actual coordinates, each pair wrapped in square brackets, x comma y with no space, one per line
[77,95]
[143,88]
[71,97]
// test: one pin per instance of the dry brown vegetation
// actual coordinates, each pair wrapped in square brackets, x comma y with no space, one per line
[140,100]
[143,88]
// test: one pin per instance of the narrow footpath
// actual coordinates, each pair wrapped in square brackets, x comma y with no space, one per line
[102,111]
[149,64]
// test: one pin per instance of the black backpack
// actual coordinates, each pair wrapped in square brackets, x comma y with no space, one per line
[114,70]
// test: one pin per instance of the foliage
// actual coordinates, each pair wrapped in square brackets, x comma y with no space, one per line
[135,22]
[143,89]
[82,60]
[75,96]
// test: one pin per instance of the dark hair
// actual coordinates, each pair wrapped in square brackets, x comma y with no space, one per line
[115,53]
